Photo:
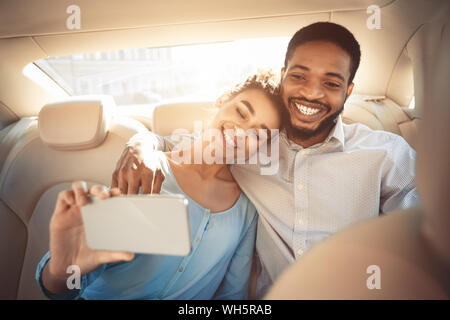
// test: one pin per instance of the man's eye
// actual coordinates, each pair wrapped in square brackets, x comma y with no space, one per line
[332,84]
[297,76]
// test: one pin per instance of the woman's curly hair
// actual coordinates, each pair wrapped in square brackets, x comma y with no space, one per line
[264,80]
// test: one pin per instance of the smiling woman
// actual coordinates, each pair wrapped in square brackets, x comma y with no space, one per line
[221,219]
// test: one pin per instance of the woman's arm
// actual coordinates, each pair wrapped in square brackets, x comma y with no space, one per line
[68,246]
[57,288]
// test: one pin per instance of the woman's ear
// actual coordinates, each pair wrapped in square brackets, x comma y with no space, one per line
[221,100]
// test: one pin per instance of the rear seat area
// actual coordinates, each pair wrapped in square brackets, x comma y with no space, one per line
[381,114]
[78,139]
[81,139]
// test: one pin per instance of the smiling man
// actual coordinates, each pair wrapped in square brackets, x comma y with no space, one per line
[331,175]
[320,64]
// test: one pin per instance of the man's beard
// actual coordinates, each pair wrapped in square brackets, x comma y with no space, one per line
[304,134]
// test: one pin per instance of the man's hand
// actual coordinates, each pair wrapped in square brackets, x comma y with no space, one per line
[134,171]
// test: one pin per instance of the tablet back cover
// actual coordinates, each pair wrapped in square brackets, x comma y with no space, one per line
[151,224]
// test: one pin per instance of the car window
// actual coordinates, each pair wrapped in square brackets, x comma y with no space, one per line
[155,75]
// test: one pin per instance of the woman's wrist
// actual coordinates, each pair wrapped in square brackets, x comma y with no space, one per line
[54,283]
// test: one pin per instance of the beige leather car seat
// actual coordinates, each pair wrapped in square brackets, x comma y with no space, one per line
[73,140]
[376,113]
[381,114]
[170,118]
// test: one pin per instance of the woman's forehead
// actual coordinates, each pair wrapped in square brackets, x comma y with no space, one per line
[260,106]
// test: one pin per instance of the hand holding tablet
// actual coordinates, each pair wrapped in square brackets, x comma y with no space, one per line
[91,228]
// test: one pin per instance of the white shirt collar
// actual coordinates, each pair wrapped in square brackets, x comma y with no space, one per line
[337,133]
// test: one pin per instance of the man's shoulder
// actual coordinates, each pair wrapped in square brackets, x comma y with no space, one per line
[357,134]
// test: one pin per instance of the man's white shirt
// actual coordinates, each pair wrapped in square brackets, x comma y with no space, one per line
[354,175]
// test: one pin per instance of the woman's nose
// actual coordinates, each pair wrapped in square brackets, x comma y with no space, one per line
[235,127]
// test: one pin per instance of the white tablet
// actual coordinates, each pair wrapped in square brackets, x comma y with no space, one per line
[152,224]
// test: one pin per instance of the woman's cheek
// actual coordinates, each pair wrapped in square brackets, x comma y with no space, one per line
[251,146]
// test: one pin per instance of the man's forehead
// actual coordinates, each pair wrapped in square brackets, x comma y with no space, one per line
[322,55]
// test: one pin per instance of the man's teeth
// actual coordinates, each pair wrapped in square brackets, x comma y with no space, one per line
[228,139]
[306,110]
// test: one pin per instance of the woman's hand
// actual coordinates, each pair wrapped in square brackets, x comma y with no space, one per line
[67,235]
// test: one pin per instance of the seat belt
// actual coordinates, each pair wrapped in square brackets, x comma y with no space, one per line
[12,137]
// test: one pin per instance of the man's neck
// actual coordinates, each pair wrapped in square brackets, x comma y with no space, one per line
[308,142]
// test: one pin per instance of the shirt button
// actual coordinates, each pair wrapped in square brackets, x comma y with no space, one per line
[180,269]
[300,252]
[300,186]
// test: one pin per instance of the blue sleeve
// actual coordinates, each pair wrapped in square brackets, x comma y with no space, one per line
[235,283]
[73,294]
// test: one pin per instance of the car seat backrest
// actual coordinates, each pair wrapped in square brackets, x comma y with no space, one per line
[80,139]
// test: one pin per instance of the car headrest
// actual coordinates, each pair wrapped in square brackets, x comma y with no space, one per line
[78,123]
[170,117]
[378,113]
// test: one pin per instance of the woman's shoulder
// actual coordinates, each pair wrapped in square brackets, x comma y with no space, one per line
[247,207]
[248,212]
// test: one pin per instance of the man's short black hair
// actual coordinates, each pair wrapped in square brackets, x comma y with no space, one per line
[330,32]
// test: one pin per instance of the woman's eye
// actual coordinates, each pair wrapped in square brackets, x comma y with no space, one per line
[240,113]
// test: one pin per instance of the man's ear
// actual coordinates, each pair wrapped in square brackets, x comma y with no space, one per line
[282,73]
[349,90]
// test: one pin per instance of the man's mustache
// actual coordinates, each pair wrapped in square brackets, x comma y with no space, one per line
[302,99]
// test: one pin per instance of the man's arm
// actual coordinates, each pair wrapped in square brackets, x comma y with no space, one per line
[398,188]
[133,171]
[136,167]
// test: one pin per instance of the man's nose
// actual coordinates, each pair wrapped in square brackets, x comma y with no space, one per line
[312,90]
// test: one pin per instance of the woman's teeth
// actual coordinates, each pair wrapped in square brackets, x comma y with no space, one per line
[307,110]
[229,139]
